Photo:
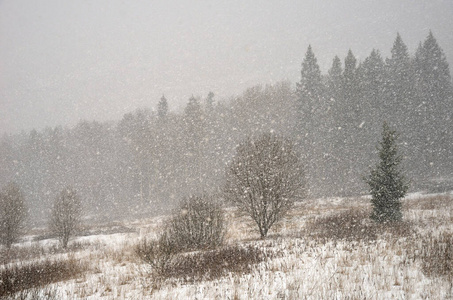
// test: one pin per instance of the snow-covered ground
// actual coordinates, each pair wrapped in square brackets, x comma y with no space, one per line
[301,267]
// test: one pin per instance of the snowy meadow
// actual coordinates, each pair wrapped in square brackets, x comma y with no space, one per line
[323,249]
[257,196]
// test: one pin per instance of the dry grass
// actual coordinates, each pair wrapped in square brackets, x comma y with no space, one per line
[341,253]
[437,202]
[167,262]
[18,277]
[213,264]
[35,250]
[353,225]
[38,293]
[436,255]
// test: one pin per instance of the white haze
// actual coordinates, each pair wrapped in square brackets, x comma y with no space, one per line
[62,61]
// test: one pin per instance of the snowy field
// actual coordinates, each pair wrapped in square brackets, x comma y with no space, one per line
[301,262]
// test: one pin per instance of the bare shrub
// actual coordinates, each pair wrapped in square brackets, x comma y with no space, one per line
[198,224]
[354,225]
[437,255]
[12,214]
[159,254]
[264,179]
[202,265]
[21,276]
[66,215]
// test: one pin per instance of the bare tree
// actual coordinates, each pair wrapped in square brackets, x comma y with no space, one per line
[12,214]
[66,215]
[264,179]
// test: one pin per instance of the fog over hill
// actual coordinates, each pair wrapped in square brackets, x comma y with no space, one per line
[63,61]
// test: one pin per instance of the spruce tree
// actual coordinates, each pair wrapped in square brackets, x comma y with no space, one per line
[371,110]
[162,108]
[350,120]
[310,92]
[399,85]
[210,102]
[310,85]
[335,136]
[387,183]
[312,108]
[194,132]
[400,97]
[372,85]
[434,70]
[351,88]
[434,93]
[334,78]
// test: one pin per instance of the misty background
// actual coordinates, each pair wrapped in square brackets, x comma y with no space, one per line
[64,61]
[137,105]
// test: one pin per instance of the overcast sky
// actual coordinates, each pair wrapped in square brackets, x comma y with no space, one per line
[63,60]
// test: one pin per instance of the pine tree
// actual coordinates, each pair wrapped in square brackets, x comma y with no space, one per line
[310,85]
[335,135]
[434,70]
[387,183]
[162,108]
[372,85]
[399,84]
[310,91]
[351,87]
[371,109]
[194,120]
[334,78]
[350,121]
[434,93]
[210,103]
[399,96]
[334,95]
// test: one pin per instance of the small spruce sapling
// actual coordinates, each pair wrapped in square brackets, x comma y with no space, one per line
[387,183]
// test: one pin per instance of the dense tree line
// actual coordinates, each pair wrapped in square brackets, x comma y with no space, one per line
[151,159]
[343,111]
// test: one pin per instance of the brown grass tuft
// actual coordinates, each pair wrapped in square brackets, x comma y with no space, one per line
[33,251]
[38,293]
[429,202]
[17,277]
[197,266]
[350,225]
[353,225]
[437,256]
[213,264]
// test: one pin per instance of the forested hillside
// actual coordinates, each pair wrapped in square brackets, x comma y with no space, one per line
[154,156]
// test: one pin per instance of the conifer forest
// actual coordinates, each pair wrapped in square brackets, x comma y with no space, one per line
[154,156]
